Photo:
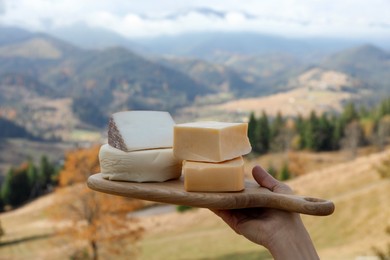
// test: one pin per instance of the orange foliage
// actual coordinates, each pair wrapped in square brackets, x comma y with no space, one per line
[91,216]
[79,165]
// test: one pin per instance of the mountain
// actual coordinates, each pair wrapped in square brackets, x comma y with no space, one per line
[206,45]
[10,129]
[367,62]
[217,77]
[12,35]
[51,77]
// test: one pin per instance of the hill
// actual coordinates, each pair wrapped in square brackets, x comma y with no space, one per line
[83,86]
[367,62]
[51,79]
[218,77]
[358,223]
[313,90]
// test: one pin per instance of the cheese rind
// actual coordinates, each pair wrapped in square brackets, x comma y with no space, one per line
[210,141]
[155,165]
[214,177]
[140,130]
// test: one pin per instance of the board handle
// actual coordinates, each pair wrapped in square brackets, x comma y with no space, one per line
[302,204]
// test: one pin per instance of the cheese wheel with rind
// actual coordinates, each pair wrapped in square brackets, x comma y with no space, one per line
[154,165]
[140,130]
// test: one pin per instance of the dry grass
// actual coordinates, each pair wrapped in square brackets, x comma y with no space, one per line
[362,208]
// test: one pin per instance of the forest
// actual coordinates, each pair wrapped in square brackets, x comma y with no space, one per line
[354,127]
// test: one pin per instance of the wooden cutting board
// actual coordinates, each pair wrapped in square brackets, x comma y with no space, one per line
[173,192]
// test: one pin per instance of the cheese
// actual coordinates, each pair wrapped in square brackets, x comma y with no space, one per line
[155,165]
[214,177]
[210,141]
[140,130]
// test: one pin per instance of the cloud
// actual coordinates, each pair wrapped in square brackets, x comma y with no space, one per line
[2,10]
[150,17]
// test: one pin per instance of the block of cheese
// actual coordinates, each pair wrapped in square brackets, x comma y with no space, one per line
[214,177]
[210,141]
[140,130]
[155,165]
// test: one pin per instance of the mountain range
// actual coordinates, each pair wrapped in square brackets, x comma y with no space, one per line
[50,86]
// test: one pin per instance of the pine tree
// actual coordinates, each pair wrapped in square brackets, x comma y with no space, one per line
[300,128]
[264,133]
[34,180]
[16,187]
[253,133]
[324,135]
[311,132]
[277,125]
[46,171]
[337,132]
[349,113]
[279,133]
[6,186]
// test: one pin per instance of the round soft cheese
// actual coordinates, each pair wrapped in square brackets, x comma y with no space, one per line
[154,165]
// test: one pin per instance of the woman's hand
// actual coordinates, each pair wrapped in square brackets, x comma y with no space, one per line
[281,232]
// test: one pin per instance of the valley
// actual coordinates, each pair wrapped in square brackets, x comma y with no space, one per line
[59,97]
[357,225]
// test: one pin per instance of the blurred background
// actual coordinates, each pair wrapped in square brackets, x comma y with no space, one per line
[312,79]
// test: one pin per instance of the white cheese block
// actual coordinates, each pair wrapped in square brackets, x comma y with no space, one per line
[155,165]
[140,130]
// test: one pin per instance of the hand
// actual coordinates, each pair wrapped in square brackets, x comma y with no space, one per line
[281,232]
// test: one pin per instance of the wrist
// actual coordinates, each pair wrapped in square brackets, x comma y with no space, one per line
[292,242]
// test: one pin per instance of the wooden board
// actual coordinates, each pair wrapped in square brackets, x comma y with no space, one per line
[173,192]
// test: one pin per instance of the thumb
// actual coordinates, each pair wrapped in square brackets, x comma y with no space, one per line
[264,179]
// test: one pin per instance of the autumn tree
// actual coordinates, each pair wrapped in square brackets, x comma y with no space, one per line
[99,219]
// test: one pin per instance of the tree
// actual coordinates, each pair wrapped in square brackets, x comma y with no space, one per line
[324,134]
[259,133]
[311,140]
[300,128]
[33,180]
[79,165]
[383,132]
[16,187]
[349,113]
[97,218]
[253,131]
[263,133]
[277,132]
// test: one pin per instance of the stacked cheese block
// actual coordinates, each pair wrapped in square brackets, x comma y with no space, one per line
[139,148]
[212,155]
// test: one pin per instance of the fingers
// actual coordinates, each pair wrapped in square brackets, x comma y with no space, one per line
[267,181]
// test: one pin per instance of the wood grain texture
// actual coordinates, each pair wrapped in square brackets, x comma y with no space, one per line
[173,192]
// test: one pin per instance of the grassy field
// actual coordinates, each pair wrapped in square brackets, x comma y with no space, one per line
[358,224]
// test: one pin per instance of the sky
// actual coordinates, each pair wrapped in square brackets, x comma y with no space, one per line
[134,18]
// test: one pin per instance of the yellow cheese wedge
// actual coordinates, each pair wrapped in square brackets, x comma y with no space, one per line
[210,141]
[155,165]
[214,177]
